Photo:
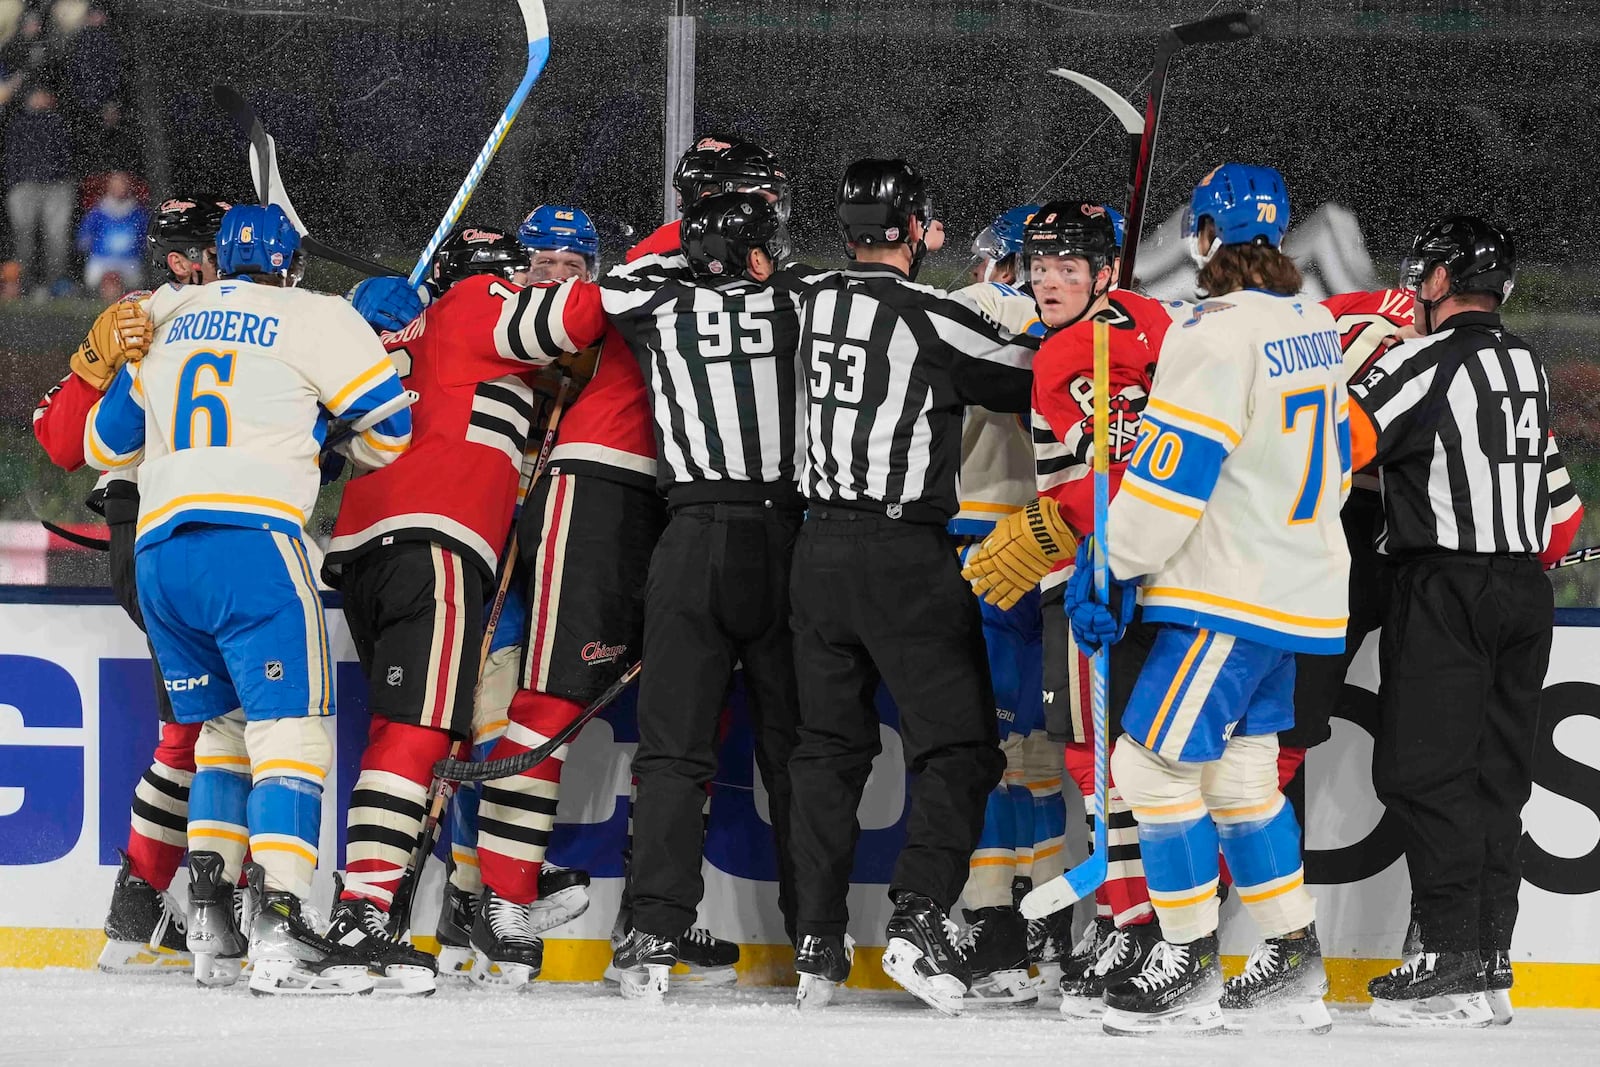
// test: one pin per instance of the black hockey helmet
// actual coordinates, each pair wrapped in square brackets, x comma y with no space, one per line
[695,174]
[1478,257]
[877,200]
[720,230]
[185,224]
[1071,228]
[743,166]
[476,250]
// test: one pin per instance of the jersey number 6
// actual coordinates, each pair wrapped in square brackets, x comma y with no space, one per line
[193,401]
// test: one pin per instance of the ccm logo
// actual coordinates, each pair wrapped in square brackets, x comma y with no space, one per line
[183,685]
[595,652]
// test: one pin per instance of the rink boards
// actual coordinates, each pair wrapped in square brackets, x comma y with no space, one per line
[77,725]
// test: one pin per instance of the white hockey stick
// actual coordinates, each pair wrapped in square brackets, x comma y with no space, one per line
[1120,106]
[538,27]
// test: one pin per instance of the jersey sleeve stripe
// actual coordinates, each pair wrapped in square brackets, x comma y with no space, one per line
[1199,421]
[342,399]
[1174,593]
[1130,487]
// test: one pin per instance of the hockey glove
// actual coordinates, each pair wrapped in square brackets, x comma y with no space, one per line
[1022,548]
[388,303]
[1094,624]
[120,335]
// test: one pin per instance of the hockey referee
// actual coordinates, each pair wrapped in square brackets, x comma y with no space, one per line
[876,589]
[1459,422]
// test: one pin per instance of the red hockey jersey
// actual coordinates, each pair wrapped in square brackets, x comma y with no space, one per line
[663,241]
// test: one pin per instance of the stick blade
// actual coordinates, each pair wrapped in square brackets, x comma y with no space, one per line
[1067,890]
[1225,28]
[1129,116]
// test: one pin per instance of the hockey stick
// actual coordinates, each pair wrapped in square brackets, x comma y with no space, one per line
[269,183]
[442,788]
[1576,556]
[455,770]
[533,18]
[1086,877]
[339,435]
[98,544]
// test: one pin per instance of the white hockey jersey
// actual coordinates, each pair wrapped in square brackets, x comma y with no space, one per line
[231,405]
[1230,505]
[996,449]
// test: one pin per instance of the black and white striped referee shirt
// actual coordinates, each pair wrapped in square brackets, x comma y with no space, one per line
[720,362]
[890,366]
[1462,418]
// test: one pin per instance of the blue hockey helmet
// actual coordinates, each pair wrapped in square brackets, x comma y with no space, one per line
[257,239]
[1119,225]
[1248,205]
[558,228]
[1003,236]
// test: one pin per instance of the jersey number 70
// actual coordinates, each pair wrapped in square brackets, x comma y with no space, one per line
[1319,402]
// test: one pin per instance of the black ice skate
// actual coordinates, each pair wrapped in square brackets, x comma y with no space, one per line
[706,960]
[289,958]
[1497,976]
[1433,989]
[642,963]
[1048,941]
[456,916]
[1078,966]
[361,928]
[563,896]
[145,930]
[922,955]
[507,954]
[213,935]
[1281,988]
[996,948]
[1121,955]
[822,961]
[1177,991]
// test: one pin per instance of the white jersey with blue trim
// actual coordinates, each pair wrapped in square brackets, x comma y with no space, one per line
[1230,505]
[230,406]
[996,449]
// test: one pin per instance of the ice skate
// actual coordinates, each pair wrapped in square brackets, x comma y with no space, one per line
[506,953]
[1282,988]
[563,896]
[922,956]
[822,961]
[213,936]
[456,916]
[1497,976]
[642,963]
[289,958]
[397,969]
[1433,989]
[996,948]
[145,929]
[1121,955]
[1048,941]
[1177,992]
[705,960]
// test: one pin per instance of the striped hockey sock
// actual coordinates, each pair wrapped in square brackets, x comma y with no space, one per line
[387,807]
[518,813]
[158,830]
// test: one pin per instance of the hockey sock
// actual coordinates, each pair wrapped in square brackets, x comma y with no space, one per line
[388,805]
[994,861]
[1289,760]
[1260,835]
[464,873]
[158,831]
[1124,898]
[1021,819]
[1177,839]
[289,760]
[218,820]
[518,813]
[1042,773]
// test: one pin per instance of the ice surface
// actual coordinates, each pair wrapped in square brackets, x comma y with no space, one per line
[79,1017]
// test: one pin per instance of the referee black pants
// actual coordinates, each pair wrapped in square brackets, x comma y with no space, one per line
[1463,656]
[879,600]
[717,596]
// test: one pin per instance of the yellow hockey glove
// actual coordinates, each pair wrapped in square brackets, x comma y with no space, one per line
[1021,550]
[121,334]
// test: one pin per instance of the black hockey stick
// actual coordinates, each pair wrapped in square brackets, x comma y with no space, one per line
[1576,556]
[99,544]
[269,184]
[454,770]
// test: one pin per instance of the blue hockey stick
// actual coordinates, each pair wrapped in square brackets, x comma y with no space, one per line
[538,52]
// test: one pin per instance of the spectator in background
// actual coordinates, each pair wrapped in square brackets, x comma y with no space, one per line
[39,192]
[111,236]
[107,144]
[91,58]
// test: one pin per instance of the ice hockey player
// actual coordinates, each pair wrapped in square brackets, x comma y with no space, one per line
[1458,421]
[250,370]
[1228,514]
[718,164]
[1070,249]
[562,243]
[145,925]
[1025,823]
[877,593]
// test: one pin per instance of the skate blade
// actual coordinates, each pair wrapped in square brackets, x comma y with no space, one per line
[1456,1010]
[136,957]
[455,961]
[403,980]
[648,983]
[1309,1016]
[487,974]
[1004,989]
[1083,1008]
[815,993]
[1196,1019]
[217,972]
[1049,975]
[558,909]
[944,993]
[1500,1006]
[289,978]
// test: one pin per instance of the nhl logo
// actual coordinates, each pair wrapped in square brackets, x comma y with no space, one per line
[274,670]
[893,511]
[715,266]
[395,676]
[892,233]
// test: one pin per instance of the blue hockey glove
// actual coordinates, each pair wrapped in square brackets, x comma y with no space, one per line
[331,465]
[388,303]
[1094,624]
